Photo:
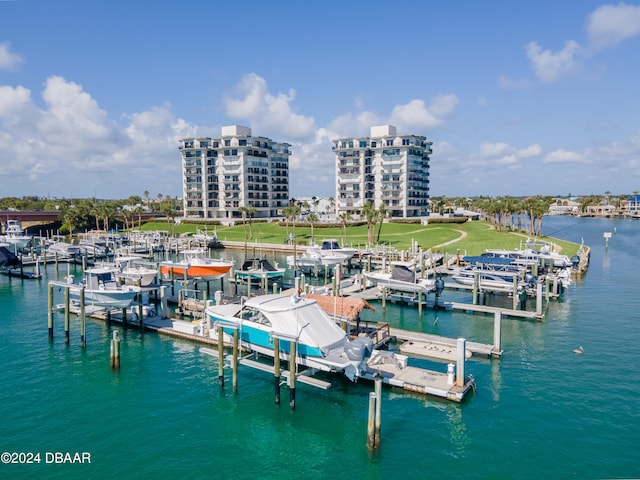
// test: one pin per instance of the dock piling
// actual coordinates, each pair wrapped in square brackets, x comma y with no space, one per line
[114,351]
[220,356]
[235,358]
[83,320]
[497,333]
[276,368]
[50,311]
[462,347]
[292,375]
[66,315]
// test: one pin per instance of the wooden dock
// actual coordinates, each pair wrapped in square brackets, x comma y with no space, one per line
[476,349]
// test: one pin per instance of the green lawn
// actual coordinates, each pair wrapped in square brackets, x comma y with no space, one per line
[470,238]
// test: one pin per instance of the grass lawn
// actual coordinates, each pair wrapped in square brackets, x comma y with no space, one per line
[471,238]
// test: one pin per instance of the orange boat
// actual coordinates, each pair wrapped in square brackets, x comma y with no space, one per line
[196,264]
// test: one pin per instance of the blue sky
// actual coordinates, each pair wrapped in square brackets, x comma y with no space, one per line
[518,98]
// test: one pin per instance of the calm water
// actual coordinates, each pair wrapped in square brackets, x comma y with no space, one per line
[541,411]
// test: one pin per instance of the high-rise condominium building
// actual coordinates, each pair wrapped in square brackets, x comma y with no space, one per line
[221,175]
[384,169]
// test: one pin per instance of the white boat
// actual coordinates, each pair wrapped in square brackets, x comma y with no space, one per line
[63,250]
[320,343]
[314,259]
[133,271]
[331,247]
[401,277]
[101,287]
[15,237]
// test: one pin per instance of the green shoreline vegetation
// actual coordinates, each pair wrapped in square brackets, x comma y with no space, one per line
[450,235]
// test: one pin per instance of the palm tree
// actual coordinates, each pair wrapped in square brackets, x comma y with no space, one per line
[251,211]
[312,218]
[146,198]
[382,214]
[370,213]
[344,218]
[243,212]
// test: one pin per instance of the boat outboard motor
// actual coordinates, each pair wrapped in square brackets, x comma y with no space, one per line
[439,286]
[359,349]
[530,279]
[575,261]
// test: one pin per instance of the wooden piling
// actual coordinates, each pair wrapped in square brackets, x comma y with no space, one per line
[124,318]
[276,368]
[539,299]
[497,332]
[66,315]
[371,419]
[461,347]
[220,356]
[236,334]
[114,352]
[50,311]
[378,419]
[292,374]
[83,320]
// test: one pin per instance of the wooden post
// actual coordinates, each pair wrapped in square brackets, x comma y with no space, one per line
[249,285]
[515,292]
[292,375]
[497,333]
[163,301]
[83,320]
[50,312]
[236,333]
[220,356]
[114,356]
[476,281]
[546,288]
[140,311]
[276,368]
[378,420]
[462,347]
[384,298]
[371,419]
[66,315]
[539,299]
[420,302]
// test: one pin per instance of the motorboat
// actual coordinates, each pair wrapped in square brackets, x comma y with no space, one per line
[331,247]
[196,264]
[402,276]
[314,259]
[15,237]
[101,287]
[259,268]
[64,250]
[320,343]
[133,271]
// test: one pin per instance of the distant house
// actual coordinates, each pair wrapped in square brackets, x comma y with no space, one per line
[603,210]
[563,206]
[631,206]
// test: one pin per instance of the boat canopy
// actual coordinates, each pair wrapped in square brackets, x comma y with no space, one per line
[403,273]
[297,318]
[8,259]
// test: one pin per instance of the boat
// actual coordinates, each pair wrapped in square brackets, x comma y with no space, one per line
[401,277]
[313,260]
[331,247]
[101,287]
[259,268]
[15,237]
[133,271]
[196,264]
[8,260]
[320,343]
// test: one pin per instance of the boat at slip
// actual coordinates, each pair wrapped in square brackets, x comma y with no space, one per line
[101,287]
[15,237]
[320,343]
[259,268]
[132,270]
[401,277]
[195,264]
[315,259]
[331,247]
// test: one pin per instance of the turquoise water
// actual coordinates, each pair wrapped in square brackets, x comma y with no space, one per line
[540,411]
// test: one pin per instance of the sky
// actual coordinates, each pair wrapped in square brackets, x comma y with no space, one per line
[518,98]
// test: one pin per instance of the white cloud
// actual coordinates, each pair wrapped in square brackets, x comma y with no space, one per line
[563,156]
[268,113]
[9,60]
[531,151]
[549,66]
[609,25]
[416,115]
[509,83]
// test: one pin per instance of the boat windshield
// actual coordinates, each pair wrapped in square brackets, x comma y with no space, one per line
[253,315]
